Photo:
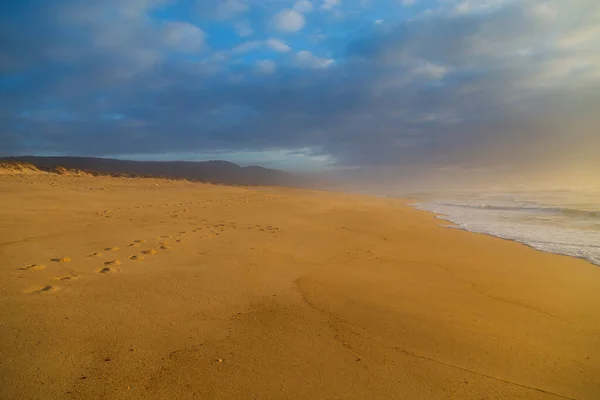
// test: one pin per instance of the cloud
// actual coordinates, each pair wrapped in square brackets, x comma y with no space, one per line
[303,6]
[408,3]
[545,11]
[463,7]
[184,37]
[266,67]
[271,43]
[506,85]
[330,4]
[431,70]
[287,21]
[247,47]
[243,28]
[225,9]
[305,58]
[277,45]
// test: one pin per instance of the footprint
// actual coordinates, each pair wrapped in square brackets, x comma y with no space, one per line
[163,243]
[136,257]
[61,260]
[94,254]
[43,289]
[139,241]
[107,270]
[67,278]
[165,247]
[112,262]
[112,249]
[133,245]
[150,252]
[165,237]
[47,288]
[33,267]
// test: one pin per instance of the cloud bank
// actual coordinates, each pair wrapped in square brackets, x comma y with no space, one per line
[494,84]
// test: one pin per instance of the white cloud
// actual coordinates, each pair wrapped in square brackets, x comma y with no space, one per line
[330,4]
[408,3]
[545,11]
[303,6]
[471,7]
[318,37]
[581,37]
[430,70]
[137,8]
[462,8]
[555,72]
[184,37]
[277,45]
[271,43]
[305,58]
[288,21]
[247,47]
[378,21]
[229,8]
[266,67]
[243,28]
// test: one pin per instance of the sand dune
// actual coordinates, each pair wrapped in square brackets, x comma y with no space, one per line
[181,290]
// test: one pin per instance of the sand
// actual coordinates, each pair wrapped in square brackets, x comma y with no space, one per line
[122,288]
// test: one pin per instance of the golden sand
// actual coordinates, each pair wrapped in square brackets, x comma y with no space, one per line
[277,294]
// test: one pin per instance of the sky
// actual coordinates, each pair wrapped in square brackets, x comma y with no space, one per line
[311,85]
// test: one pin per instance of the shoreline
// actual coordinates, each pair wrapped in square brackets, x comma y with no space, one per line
[453,225]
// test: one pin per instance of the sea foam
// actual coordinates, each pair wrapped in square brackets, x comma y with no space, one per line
[570,231]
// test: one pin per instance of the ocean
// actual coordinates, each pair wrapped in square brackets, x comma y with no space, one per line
[561,221]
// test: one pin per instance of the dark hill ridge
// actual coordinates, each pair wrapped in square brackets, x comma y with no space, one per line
[207,171]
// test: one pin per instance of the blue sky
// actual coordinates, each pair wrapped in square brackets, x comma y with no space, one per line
[304,85]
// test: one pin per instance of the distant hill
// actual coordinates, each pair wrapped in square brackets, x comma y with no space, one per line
[223,172]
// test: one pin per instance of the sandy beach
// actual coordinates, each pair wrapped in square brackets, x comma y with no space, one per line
[130,288]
